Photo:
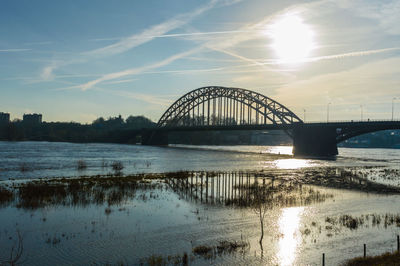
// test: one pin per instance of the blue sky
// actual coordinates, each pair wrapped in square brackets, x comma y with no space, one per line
[78,60]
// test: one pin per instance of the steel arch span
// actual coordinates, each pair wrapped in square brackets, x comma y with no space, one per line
[224,106]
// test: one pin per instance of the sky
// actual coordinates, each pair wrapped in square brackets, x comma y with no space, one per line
[79,60]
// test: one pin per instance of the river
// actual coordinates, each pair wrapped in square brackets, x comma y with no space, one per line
[315,206]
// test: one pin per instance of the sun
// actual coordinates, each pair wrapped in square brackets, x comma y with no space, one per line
[292,39]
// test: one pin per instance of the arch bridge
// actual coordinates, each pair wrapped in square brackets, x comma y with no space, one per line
[224,108]
[221,106]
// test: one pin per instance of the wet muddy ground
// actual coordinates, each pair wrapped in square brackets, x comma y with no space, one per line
[202,217]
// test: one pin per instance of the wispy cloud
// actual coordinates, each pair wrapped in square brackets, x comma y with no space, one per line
[148,98]
[38,43]
[370,83]
[330,57]
[135,40]
[121,81]
[173,35]
[243,34]
[386,13]
[133,71]
[149,34]
[13,50]
[248,68]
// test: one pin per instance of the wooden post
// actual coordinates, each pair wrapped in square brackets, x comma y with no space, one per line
[323,259]
[398,243]
[365,250]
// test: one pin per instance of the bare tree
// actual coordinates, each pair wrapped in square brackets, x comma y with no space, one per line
[260,206]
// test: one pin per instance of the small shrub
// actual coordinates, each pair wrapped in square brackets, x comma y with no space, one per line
[108,210]
[81,165]
[117,166]
[202,250]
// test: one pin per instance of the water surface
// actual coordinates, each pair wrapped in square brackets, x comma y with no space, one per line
[313,206]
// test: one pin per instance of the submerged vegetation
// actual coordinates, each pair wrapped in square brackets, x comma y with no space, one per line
[5,195]
[83,191]
[223,247]
[237,189]
[202,251]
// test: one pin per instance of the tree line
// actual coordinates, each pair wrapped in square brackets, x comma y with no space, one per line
[113,129]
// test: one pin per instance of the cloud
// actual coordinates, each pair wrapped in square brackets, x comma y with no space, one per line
[174,35]
[149,34]
[47,72]
[386,13]
[123,45]
[121,81]
[14,50]
[145,36]
[151,99]
[138,70]
[368,84]
[38,43]
[329,57]
[243,34]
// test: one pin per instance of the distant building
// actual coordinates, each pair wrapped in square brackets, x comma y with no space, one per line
[4,118]
[32,119]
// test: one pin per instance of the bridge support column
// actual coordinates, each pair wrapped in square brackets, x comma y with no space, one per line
[154,137]
[314,141]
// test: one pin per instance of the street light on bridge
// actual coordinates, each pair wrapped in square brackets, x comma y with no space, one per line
[361,112]
[394,98]
[327,112]
[304,115]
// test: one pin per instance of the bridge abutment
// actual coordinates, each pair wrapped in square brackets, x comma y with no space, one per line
[314,141]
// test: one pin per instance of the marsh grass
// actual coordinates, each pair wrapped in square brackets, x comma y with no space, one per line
[335,224]
[380,260]
[156,260]
[99,190]
[6,195]
[117,166]
[277,188]
[280,195]
[202,251]
[223,247]
[365,220]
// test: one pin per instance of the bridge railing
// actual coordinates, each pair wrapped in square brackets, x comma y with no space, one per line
[352,121]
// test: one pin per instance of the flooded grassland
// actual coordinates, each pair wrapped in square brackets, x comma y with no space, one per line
[201,217]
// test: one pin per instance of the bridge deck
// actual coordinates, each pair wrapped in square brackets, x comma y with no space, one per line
[384,124]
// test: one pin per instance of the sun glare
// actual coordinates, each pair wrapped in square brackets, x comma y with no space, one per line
[292,39]
[289,224]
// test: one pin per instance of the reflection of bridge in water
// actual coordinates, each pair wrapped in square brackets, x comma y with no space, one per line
[275,189]
[221,108]
[221,188]
[242,189]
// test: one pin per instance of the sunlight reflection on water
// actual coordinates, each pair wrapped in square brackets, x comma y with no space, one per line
[292,163]
[283,150]
[289,223]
